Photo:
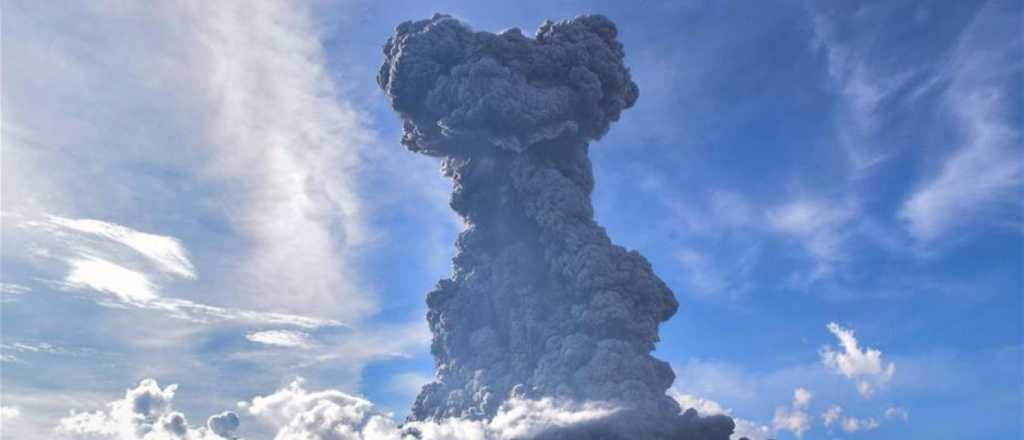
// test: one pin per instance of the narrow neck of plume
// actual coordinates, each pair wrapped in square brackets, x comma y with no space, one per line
[504,193]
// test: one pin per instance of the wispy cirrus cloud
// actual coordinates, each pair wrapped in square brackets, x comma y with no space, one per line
[821,227]
[290,152]
[264,155]
[83,246]
[982,179]
[11,291]
[133,289]
[984,173]
[94,273]
[955,103]
[167,252]
[45,348]
[862,84]
[973,169]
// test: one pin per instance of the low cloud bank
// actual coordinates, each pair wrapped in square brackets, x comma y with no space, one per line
[298,413]
[293,412]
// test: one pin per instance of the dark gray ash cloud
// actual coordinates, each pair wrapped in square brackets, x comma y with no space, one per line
[540,303]
[462,89]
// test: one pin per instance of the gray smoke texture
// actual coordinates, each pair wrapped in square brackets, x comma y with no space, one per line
[540,302]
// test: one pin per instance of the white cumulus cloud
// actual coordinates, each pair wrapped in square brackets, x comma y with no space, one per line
[9,413]
[801,398]
[864,366]
[145,413]
[897,412]
[92,265]
[834,415]
[831,415]
[853,424]
[794,419]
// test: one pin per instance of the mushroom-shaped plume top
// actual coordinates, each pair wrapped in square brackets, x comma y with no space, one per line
[459,90]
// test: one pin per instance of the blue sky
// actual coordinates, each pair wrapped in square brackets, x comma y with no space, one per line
[213,195]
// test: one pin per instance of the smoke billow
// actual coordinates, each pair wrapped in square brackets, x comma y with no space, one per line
[541,304]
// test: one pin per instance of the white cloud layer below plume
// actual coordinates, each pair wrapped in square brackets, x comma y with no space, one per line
[331,414]
[147,413]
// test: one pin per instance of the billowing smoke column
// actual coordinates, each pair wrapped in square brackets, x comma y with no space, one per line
[540,302]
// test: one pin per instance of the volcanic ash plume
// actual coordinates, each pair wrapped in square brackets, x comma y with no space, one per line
[540,304]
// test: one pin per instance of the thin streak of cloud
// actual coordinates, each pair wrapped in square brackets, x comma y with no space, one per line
[182,308]
[12,291]
[91,267]
[167,252]
[46,348]
[94,273]
[281,338]
[207,314]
